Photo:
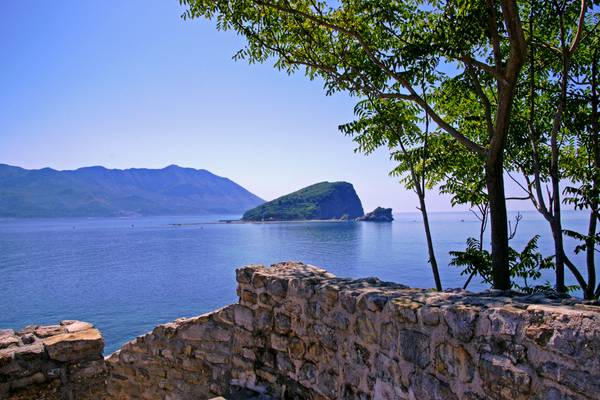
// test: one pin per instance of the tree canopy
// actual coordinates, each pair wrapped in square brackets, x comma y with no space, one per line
[460,65]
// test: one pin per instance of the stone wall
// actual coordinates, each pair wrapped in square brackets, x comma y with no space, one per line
[299,332]
[52,362]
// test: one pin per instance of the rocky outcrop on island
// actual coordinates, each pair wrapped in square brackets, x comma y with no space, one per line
[379,214]
[321,201]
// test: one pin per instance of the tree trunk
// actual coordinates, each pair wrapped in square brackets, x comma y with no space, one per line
[595,144]
[591,265]
[556,222]
[495,154]
[559,252]
[498,223]
[432,259]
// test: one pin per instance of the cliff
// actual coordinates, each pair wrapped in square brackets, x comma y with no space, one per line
[299,332]
[379,214]
[325,200]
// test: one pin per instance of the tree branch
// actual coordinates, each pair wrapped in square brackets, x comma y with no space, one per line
[468,60]
[468,143]
[484,99]
[580,25]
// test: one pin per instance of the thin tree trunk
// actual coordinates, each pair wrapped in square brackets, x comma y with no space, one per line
[432,259]
[556,223]
[482,226]
[591,264]
[559,252]
[595,143]
[419,188]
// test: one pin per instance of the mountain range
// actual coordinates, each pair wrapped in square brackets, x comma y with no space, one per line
[98,191]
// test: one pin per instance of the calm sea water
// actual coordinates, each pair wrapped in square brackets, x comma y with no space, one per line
[127,275]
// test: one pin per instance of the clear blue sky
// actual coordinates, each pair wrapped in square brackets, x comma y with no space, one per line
[130,84]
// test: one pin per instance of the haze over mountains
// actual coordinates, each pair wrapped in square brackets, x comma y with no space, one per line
[98,191]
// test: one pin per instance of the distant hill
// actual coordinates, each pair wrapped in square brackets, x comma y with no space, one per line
[323,200]
[97,191]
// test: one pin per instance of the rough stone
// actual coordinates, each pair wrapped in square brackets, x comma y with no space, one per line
[461,322]
[29,371]
[49,330]
[503,379]
[315,336]
[299,332]
[75,346]
[7,341]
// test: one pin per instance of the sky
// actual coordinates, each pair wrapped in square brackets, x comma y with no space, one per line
[130,84]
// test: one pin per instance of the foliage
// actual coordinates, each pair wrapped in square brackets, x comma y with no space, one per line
[400,52]
[396,125]
[526,266]
[554,141]
[506,85]
[324,200]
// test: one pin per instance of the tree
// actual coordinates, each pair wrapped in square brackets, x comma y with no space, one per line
[396,126]
[379,49]
[582,160]
[553,134]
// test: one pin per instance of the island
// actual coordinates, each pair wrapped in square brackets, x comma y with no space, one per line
[379,214]
[321,201]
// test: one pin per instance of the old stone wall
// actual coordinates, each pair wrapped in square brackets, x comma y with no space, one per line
[52,362]
[299,332]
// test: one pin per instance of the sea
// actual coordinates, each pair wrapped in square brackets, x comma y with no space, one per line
[126,275]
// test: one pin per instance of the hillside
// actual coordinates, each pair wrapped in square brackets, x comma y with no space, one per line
[97,191]
[323,200]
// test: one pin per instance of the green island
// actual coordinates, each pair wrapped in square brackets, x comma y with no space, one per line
[321,201]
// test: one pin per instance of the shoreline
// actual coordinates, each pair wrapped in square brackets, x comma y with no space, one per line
[242,222]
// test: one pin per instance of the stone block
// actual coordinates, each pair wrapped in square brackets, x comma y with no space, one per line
[296,348]
[69,347]
[8,340]
[414,347]
[244,317]
[279,342]
[77,326]
[49,330]
[245,274]
[429,315]
[427,386]
[461,322]
[282,323]
[454,362]
[504,380]
[28,353]
[277,287]
[308,373]
[582,382]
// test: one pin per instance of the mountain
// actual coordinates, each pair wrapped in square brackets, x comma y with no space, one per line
[325,200]
[98,191]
